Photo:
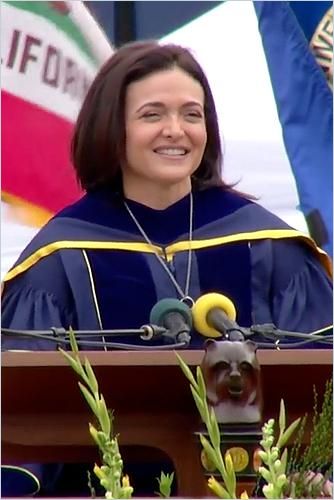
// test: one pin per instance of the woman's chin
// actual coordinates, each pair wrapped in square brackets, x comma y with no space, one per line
[171,176]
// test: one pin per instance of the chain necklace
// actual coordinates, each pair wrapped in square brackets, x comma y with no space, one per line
[184,294]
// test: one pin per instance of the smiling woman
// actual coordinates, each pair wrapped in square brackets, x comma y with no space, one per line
[158,221]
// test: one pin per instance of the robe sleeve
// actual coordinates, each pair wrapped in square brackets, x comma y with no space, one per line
[39,299]
[302,295]
[290,288]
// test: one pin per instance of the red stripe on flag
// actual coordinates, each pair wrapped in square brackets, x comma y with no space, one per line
[35,155]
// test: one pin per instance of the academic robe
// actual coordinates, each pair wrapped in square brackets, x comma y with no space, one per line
[90,268]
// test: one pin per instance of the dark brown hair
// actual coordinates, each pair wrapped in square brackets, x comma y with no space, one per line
[98,144]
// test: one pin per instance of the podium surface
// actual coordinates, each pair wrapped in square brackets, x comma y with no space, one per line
[45,417]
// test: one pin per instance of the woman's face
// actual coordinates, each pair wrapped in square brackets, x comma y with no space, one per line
[165,128]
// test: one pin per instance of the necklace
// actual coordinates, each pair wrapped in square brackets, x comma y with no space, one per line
[184,294]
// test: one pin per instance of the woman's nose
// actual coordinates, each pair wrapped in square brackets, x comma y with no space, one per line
[173,128]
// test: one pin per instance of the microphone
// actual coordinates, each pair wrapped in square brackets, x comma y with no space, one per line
[214,314]
[176,317]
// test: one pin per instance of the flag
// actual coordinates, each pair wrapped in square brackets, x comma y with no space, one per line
[232,56]
[50,53]
[304,103]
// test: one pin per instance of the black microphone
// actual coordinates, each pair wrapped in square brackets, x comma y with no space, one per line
[176,317]
[214,315]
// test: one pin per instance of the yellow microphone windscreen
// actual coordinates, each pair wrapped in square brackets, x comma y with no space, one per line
[204,305]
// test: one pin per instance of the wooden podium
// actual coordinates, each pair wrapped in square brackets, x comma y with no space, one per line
[45,418]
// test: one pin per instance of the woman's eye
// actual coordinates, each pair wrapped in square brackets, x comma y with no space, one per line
[194,115]
[151,115]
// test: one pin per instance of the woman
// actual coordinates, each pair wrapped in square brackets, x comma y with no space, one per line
[157,220]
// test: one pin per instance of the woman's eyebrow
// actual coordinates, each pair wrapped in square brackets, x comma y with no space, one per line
[153,104]
[158,104]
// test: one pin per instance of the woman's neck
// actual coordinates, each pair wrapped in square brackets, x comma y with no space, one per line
[156,196]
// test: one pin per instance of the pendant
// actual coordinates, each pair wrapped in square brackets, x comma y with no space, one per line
[189,301]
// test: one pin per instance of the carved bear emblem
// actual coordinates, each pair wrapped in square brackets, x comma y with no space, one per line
[232,376]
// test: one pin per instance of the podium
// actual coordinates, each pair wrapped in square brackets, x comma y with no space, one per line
[45,417]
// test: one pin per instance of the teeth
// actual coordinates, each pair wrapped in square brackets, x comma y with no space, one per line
[171,151]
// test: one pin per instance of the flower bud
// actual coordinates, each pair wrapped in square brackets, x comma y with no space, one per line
[281,480]
[270,440]
[98,471]
[268,490]
[104,483]
[277,465]
[117,475]
[263,455]
[216,487]
[127,492]
[264,473]
[125,481]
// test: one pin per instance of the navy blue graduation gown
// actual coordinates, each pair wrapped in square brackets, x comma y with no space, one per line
[89,267]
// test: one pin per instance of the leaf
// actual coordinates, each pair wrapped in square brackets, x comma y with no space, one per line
[284,461]
[230,475]
[199,404]
[75,363]
[214,431]
[282,419]
[186,370]
[89,398]
[73,341]
[103,416]
[211,454]
[201,383]
[93,384]
[282,440]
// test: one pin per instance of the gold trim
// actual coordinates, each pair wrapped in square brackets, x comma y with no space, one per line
[170,250]
[92,284]
[182,246]
[252,236]
[25,471]
[62,245]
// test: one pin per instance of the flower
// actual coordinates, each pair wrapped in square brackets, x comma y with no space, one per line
[216,487]
[125,481]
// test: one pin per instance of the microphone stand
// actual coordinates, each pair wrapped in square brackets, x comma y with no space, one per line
[61,337]
[270,332]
